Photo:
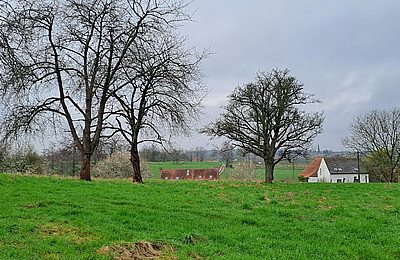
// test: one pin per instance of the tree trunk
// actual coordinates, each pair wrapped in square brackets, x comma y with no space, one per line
[269,171]
[393,174]
[85,170]
[135,161]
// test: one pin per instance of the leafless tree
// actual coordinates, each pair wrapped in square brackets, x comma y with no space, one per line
[200,153]
[162,95]
[226,152]
[62,61]
[378,134]
[62,157]
[264,117]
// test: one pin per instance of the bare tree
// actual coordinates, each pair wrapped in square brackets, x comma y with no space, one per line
[62,157]
[264,117]
[163,94]
[378,134]
[63,60]
[200,153]
[226,152]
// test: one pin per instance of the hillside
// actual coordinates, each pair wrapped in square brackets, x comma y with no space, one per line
[52,218]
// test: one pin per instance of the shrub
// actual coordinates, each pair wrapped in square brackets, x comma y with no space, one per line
[118,165]
[243,172]
[25,160]
[303,179]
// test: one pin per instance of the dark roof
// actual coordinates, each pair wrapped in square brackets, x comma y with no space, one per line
[343,165]
[312,169]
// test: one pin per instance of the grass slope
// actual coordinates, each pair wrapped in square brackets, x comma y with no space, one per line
[43,217]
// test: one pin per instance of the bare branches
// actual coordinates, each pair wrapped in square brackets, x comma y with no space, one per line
[378,134]
[163,90]
[264,117]
[80,54]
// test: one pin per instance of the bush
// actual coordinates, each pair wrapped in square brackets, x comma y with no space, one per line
[303,179]
[22,161]
[243,172]
[118,165]
[379,167]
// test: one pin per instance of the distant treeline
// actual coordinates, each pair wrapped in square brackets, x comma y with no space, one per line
[63,158]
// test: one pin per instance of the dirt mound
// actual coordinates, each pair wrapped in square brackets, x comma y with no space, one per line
[138,250]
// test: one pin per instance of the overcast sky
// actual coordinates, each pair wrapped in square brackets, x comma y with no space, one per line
[345,52]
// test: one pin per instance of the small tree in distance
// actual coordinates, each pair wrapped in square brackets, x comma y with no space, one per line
[226,153]
[263,117]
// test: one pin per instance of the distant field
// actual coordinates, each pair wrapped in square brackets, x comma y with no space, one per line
[52,218]
[283,172]
[157,166]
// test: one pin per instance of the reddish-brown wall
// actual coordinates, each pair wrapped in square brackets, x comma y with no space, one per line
[190,174]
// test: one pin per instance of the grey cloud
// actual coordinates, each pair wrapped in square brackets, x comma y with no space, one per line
[346,52]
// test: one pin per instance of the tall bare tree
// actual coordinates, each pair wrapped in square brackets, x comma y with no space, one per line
[378,134]
[264,117]
[63,61]
[163,94]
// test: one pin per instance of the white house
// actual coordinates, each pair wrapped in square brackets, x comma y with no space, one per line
[334,169]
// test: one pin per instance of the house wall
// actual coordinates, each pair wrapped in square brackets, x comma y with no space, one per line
[313,179]
[349,178]
[323,172]
[324,175]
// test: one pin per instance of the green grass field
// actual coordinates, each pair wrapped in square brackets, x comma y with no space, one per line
[282,172]
[155,167]
[53,218]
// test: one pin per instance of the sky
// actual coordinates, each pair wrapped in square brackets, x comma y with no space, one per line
[345,52]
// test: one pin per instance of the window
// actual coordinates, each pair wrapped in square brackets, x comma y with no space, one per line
[339,180]
[177,178]
[187,172]
[211,176]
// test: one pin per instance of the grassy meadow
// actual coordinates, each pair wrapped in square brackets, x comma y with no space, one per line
[155,167]
[283,172]
[54,218]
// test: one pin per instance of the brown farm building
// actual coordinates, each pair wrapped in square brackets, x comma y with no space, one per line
[191,174]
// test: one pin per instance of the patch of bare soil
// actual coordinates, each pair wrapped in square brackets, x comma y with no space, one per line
[58,229]
[65,231]
[138,250]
